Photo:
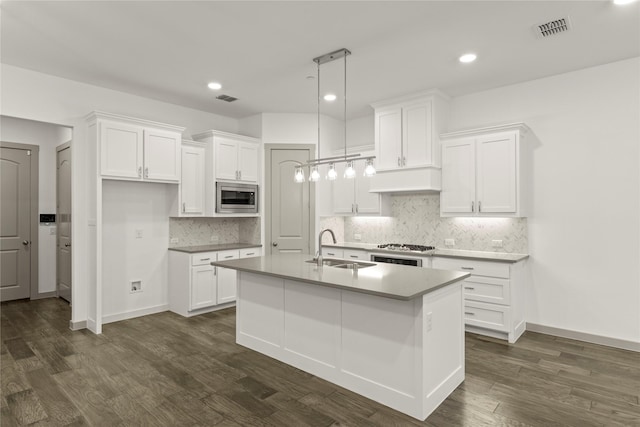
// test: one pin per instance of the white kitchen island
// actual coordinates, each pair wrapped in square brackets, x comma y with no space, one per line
[394,334]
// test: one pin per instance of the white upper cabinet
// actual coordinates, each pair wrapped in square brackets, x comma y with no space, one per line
[236,160]
[138,150]
[192,183]
[485,172]
[407,142]
[352,196]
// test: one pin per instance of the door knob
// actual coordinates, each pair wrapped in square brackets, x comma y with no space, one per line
[275,244]
[66,245]
[25,242]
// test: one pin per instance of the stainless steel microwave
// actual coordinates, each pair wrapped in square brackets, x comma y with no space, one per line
[236,198]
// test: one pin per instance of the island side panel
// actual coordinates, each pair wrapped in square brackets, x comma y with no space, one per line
[260,313]
[443,344]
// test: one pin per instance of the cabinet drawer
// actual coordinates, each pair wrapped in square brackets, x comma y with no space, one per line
[250,252]
[487,289]
[351,254]
[489,316]
[476,268]
[332,253]
[203,258]
[227,255]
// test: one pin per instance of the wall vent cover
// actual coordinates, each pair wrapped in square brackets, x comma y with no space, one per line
[226,98]
[551,28]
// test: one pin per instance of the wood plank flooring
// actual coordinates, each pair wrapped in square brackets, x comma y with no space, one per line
[165,370]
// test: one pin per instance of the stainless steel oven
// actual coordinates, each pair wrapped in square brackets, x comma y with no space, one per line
[397,259]
[236,198]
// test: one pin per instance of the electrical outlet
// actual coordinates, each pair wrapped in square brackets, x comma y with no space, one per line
[174,240]
[496,243]
[214,238]
[138,233]
[429,321]
[357,237]
[449,242]
[136,286]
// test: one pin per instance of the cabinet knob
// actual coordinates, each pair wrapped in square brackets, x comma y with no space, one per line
[274,244]
[140,171]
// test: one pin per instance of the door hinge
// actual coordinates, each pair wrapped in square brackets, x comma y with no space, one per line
[28,152]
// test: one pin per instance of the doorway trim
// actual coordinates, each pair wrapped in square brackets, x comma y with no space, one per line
[268,148]
[33,215]
[59,148]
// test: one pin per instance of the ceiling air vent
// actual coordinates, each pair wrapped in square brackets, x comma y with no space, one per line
[226,98]
[551,28]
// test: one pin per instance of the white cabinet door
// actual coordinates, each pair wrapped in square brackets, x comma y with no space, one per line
[458,176]
[496,175]
[203,287]
[343,192]
[247,162]
[121,150]
[192,185]
[226,159]
[227,278]
[388,138]
[417,138]
[161,156]
[366,203]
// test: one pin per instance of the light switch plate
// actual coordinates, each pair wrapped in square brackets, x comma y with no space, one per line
[357,237]
[449,242]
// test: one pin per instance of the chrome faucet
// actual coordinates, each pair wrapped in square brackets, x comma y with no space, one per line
[333,236]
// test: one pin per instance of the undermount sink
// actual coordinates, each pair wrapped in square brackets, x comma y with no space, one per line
[343,263]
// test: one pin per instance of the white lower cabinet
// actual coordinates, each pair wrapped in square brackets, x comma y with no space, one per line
[493,296]
[196,286]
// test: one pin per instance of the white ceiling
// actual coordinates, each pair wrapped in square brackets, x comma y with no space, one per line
[262,51]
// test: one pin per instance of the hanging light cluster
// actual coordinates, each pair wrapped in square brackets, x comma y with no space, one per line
[349,159]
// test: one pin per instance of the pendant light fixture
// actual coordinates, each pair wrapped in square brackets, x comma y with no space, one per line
[349,159]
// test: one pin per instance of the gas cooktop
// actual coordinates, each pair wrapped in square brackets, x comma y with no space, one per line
[404,247]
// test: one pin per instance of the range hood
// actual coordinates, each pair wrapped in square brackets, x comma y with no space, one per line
[407,180]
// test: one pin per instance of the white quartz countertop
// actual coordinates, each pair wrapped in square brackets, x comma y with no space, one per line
[214,248]
[386,280]
[444,253]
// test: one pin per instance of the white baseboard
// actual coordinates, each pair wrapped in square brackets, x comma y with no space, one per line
[583,336]
[110,318]
[76,326]
[42,295]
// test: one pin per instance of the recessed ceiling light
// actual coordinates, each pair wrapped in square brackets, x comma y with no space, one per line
[468,57]
[214,86]
[621,2]
[330,97]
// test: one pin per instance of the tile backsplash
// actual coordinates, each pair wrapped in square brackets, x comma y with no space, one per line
[198,231]
[415,218]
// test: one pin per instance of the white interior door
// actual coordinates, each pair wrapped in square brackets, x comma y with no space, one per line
[63,219]
[15,234]
[289,218]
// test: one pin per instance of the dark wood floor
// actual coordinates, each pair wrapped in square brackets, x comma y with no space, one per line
[165,370]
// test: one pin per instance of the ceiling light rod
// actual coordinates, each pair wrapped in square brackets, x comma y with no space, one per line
[342,160]
[328,57]
[335,158]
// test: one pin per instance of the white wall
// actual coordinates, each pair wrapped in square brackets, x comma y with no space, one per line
[584,229]
[128,207]
[47,137]
[32,95]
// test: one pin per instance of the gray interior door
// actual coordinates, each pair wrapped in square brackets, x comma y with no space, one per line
[15,235]
[63,218]
[290,209]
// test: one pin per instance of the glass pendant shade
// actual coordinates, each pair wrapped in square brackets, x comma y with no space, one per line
[332,174]
[369,169]
[350,172]
[299,175]
[314,176]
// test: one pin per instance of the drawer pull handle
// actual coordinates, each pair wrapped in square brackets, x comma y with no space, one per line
[353,256]
[469,313]
[227,257]
[205,259]
[331,253]
[251,253]
[467,268]
[470,288]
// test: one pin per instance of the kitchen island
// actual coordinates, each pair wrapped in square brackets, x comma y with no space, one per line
[394,334]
